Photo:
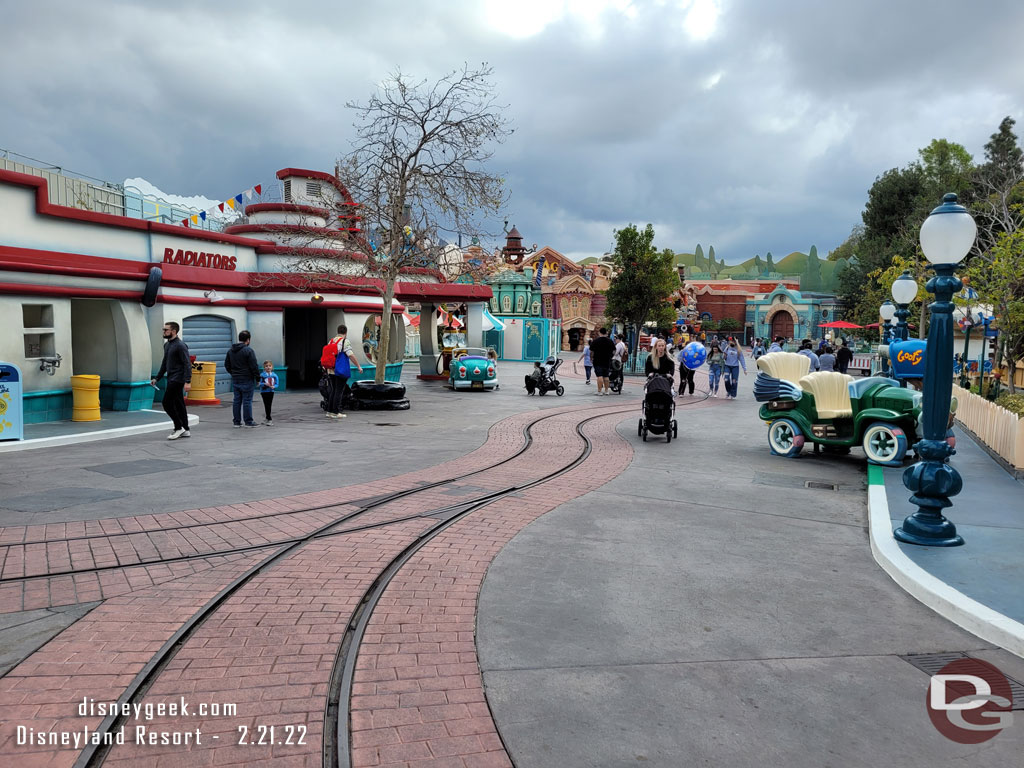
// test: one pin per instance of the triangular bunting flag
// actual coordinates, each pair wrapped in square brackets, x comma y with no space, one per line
[259,189]
[195,219]
[202,215]
[231,203]
[248,194]
[184,222]
[221,206]
[238,199]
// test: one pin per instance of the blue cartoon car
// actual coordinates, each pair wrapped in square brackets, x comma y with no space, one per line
[473,369]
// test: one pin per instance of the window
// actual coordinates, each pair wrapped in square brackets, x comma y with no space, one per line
[494,303]
[312,189]
[287,190]
[824,313]
[536,308]
[575,303]
[37,321]
[506,303]
[521,302]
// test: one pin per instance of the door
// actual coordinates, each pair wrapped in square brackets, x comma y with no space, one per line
[782,325]
[209,338]
[492,340]
[305,334]
[575,334]
[534,340]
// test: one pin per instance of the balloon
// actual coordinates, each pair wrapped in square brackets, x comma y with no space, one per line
[694,355]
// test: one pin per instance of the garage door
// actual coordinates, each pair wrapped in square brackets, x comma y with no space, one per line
[209,338]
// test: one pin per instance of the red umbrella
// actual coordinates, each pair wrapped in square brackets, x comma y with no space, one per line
[840,324]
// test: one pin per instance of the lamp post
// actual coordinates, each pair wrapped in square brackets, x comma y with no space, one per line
[968,323]
[946,237]
[904,291]
[887,312]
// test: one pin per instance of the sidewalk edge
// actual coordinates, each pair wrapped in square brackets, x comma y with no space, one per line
[948,602]
[90,437]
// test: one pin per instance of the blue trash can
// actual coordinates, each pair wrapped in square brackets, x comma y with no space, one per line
[12,413]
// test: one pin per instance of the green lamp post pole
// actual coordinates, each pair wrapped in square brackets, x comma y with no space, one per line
[946,237]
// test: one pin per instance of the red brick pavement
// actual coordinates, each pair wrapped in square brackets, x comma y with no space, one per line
[418,697]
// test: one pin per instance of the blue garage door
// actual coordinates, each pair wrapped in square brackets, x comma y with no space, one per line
[209,338]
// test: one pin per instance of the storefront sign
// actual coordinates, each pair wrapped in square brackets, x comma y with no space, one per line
[198,259]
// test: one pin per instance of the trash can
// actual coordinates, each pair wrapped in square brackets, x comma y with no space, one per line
[12,420]
[85,397]
[204,379]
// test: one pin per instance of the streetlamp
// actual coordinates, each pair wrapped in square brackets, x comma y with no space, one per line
[946,237]
[887,311]
[904,291]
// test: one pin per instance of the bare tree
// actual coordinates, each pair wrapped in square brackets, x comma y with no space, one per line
[417,173]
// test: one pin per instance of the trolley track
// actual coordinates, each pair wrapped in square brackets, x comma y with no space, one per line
[449,515]
[95,754]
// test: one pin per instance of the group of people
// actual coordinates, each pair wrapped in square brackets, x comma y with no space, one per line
[246,375]
[240,362]
[600,355]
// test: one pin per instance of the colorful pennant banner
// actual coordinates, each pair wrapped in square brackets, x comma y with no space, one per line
[231,202]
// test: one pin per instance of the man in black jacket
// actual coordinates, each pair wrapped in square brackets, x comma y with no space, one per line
[178,367]
[240,362]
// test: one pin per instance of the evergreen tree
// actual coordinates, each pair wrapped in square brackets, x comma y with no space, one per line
[1004,160]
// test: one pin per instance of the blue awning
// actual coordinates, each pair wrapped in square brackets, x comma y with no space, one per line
[491,323]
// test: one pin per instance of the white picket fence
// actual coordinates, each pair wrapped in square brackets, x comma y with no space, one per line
[1000,429]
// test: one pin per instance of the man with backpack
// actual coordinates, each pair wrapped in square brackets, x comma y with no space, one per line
[337,358]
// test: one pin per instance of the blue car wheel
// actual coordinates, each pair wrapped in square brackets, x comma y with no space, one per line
[785,438]
[885,444]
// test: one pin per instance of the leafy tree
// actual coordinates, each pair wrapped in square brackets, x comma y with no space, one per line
[998,189]
[848,248]
[948,167]
[645,280]
[1000,282]
[417,169]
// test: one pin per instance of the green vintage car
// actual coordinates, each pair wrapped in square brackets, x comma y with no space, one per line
[835,410]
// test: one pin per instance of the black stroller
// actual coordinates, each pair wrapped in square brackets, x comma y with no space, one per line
[543,380]
[615,376]
[659,408]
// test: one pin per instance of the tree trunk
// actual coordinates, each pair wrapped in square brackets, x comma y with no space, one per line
[922,332]
[385,329]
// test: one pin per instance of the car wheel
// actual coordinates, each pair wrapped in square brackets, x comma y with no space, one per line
[560,391]
[885,444]
[785,438]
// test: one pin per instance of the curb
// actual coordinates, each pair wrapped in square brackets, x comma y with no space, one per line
[90,437]
[948,602]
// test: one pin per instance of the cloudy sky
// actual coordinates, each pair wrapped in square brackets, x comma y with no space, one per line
[748,125]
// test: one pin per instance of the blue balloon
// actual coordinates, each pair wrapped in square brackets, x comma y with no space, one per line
[694,355]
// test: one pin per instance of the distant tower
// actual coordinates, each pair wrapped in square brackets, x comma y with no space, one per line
[513,253]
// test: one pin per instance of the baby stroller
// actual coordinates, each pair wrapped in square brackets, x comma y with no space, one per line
[659,408]
[542,380]
[615,376]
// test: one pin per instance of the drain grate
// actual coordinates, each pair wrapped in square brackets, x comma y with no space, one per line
[819,485]
[932,663]
[387,424]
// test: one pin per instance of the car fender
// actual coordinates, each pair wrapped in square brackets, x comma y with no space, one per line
[905,421]
[794,414]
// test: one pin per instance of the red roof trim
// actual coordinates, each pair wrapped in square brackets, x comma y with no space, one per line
[45,208]
[290,228]
[319,176]
[327,253]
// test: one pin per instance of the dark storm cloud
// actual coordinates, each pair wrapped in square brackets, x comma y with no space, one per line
[763,137]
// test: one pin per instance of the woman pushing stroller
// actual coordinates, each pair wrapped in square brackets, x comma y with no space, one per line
[659,361]
[659,397]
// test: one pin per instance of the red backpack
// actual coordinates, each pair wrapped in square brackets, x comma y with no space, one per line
[329,354]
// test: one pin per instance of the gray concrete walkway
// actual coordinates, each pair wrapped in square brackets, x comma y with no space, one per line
[714,605]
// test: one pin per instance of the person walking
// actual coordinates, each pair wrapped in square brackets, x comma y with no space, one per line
[268,385]
[585,358]
[685,374]
[757,350]
[808,352]
[844,356]
[342,370]
[178,368]
[827,360]
[776,346]
[714,367]
[602,350]
[732,360]
[659,362]
[240,362]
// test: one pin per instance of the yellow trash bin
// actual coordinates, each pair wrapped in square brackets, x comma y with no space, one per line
[204,375]
[85,397]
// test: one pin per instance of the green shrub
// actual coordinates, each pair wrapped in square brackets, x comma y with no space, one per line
[1014,402]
